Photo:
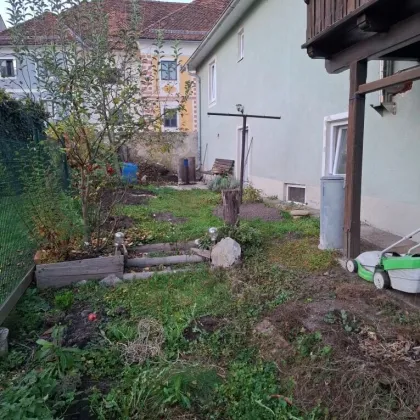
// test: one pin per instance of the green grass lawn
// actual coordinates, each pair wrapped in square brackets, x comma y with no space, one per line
[197,206]
[16,246]
[184,370]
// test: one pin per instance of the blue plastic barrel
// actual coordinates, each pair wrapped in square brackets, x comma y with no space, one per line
[129,173]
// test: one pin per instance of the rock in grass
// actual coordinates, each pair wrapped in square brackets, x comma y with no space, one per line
[81,283]
[226,253]
[300,213]
[110,281]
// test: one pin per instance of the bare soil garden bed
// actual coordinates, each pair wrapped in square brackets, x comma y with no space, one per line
[252,211]
[348,345]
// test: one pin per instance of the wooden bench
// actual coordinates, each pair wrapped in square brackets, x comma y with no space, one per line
[221,167]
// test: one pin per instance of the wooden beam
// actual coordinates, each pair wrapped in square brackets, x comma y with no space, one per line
[371,24]
[358,75]
[7,306]
[399,36]
[409,75]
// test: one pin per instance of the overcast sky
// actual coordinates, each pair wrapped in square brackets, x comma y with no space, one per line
[4,5]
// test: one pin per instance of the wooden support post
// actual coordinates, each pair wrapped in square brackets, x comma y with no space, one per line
[231,203]
[241,186]
[358,75]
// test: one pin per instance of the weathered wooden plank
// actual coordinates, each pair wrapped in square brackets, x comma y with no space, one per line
[358,75]
[328,9]
[165,247]
[409,75]
[318,17]
[323,25]
[65,273]
[154,262]
[7,306]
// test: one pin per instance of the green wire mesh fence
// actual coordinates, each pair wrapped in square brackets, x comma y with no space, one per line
[33,173]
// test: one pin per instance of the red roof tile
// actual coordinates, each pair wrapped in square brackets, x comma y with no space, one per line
[178,21]
[191,22]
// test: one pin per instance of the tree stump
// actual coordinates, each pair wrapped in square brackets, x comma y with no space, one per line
[231,204]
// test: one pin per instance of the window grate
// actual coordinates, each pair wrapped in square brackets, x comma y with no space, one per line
[296,193]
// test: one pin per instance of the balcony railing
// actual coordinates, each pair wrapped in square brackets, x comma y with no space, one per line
[322,14]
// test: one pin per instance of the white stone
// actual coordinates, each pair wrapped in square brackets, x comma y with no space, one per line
[300,213]
[81,283]
[226,253]
[111,280]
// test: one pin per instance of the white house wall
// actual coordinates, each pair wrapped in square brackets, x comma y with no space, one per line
[276,77]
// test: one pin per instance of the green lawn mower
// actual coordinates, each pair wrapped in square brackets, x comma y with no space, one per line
[388,269]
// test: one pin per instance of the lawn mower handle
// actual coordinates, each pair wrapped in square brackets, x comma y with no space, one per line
[409,236]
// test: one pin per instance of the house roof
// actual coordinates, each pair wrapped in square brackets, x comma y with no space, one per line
[2,24]
[227,21]
[177,21]
[191,22]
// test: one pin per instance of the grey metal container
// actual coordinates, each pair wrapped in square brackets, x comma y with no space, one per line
[332,212]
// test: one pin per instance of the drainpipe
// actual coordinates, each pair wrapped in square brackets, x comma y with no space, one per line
[195,76]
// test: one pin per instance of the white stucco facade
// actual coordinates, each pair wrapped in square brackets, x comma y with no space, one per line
[276,77]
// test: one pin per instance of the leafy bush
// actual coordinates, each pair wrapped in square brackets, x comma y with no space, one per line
[28,315]
[252,195]
[64,300]
[38,395]
[220,183]
[44,393]
[49,212]
[246,235]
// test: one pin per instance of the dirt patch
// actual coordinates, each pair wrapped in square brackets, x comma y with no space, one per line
[117,223]
[253,211]
[341,348]
[169,217]
[156,173]
[79,330]
[205,324]
[125,196]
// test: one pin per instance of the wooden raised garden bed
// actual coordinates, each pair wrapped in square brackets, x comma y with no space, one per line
[69,272]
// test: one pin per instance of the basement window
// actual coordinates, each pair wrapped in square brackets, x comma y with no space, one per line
[296,193]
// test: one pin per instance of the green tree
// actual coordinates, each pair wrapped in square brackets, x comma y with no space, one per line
[89,65]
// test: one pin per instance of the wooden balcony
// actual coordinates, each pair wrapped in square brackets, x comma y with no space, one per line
[334,26]
[322,14]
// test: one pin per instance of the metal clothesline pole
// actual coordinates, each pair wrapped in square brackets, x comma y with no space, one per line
[244,121]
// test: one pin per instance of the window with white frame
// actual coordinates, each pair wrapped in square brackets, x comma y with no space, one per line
[339,151]
[296,193]
[212,82]
[241,44]
[7,68]
[335,145]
